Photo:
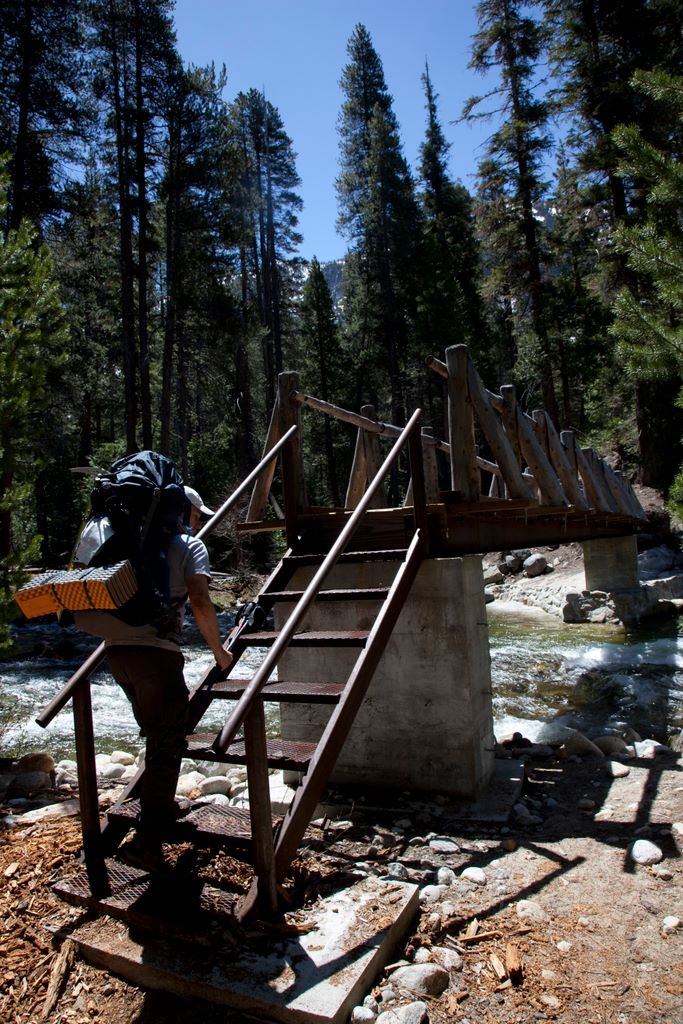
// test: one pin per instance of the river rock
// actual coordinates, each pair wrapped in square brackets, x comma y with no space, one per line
[580,746]
[362,1015]
[670,924]
[432,893]
[444,846]
[111,771]
[492,575]
[677,836]
[448,958]
[617,770]
[411,1013]
[188,782]
[644,852]
[610,744]
[445,876]
[475,875]
[37,762]
[530,912]
[122,757]
[534,565]
[27,783]
[398,871]
[649,749]
[511,564]
[423,979]
[214,800]
[215,784]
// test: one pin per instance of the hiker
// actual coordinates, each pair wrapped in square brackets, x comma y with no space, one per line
[149,669]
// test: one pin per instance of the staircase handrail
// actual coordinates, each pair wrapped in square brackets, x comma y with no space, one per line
[94,660]
[251,693]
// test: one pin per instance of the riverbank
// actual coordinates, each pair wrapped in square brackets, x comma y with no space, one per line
[569,909]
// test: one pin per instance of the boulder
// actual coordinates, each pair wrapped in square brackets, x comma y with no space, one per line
[534,565]
[27,783]
[492,575]
[38,762]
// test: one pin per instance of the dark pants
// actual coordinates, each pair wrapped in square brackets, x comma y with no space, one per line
[153,681]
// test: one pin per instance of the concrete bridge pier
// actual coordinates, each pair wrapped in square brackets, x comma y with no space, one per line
[426,723]
[611,564]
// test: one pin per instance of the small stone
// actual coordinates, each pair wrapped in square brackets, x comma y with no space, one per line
[370,1003]
[362,1015]
[564,946]
[663,874]
[509,845]
[188,783]
[677,836]
[410,1013]
[112,771]
[617,770]
[432,893]
[670,924]
[398,871]
[448,958]
[549,975]
[388,994]
[530,912]
[444,846]
[423,979]
[585,804]
[475,875]
[122,757]
[445,876]
[423,955]
[550,1000]
[645,852]
[216,784]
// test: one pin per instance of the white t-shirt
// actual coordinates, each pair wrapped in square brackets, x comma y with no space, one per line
[187,556]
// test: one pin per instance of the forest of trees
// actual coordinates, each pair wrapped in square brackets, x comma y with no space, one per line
[151,289]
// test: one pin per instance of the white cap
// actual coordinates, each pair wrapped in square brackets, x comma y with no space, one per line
[195,498]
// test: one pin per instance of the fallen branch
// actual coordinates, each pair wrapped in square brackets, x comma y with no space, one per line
[60,972]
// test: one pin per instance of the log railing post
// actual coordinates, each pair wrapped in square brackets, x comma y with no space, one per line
[87,790]
[260,806]
[563,467]
[464,472]
[373,458]
[359,473]
[261,491]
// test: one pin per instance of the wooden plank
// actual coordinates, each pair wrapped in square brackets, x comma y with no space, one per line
[431,469]
[292,458]
[544,475]
[606,500]
[508,415]
[496,436]
[464,472]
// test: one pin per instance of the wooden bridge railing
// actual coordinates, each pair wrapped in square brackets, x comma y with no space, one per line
[530,462]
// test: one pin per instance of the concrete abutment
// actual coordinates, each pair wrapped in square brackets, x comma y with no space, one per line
[426,723]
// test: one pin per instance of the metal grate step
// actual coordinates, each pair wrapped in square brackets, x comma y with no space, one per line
[205,825]
[328,638]
[281,753]
[282,692]
[389,555]
[363,594]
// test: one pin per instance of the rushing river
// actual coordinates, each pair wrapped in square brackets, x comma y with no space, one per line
[545,675]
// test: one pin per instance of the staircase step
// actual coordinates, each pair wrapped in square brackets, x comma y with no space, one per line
[364,594]
[389,555]
[280,753]
[328,638]
[282,692]
[205,825]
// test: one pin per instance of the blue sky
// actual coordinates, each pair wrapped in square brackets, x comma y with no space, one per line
[296,51]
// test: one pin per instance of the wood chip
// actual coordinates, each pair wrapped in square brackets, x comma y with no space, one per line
[11,869]
[479,937]
[59,975]
[498,967]
[513,962]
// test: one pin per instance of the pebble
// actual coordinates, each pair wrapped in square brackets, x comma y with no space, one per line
[448,958]
[398,871]
[370,1003]
[215,784]
[423,954]
[122,757]
[362,1015]
[509,845]
[663,874]
[564,946]
[445,876]
[670,924]
[432,893]
[444,846]
[650,748]
[617,770]
[188,782]
[475,875]
[644,852]
[677,836]
[530,912]
[585,804]
[552,1001]
[424,979]
[411,1013]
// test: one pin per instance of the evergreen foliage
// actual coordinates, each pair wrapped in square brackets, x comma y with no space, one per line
[33,339]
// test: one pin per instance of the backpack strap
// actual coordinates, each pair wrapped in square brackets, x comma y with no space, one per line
[156,497]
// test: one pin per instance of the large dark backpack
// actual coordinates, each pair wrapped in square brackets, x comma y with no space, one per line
[143,497]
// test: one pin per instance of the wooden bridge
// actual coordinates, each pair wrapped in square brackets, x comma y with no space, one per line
[535,487]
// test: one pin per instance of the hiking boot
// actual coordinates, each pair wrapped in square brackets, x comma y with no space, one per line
[146,854]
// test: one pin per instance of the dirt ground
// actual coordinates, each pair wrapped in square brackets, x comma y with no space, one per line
[599,953]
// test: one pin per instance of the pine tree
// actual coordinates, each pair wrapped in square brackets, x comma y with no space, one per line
[379,214]
[511,183]
[322,364]
[42,111]
[32,342]
[649,312]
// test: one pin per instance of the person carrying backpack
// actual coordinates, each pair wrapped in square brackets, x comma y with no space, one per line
[147,663]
